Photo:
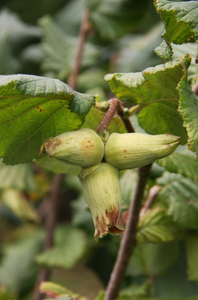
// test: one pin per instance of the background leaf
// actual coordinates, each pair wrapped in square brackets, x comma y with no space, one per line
[56,166]
[153,259]
[19,177]
[70,245]
[17,202]
[60,48]
[115,18]
[135,290]
[180,18]
[184,164]
[188,108]
[156,102]
[180,195]
[34,108]
[17,266]
[154,227]
[192,259]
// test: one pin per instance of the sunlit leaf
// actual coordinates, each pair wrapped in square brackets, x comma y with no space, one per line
[33,108]
[148,89]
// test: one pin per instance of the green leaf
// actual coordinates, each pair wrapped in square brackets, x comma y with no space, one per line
[5,295]
[17,265]
[136,50]
[116,18]
[14,35]
[164,51]
[70,15]
[184,164]
[128,182]
[55,288]
[56,166]
[33,108]
[97,80]
[58,291]
[180,19]
[61,298]
[152,259]
[154,227]
[188,108]
[181,50]
[19,205]
[60,49]
[70,246]
[192,258]
[157,104]
[181,197]
[135,290]
[19,177]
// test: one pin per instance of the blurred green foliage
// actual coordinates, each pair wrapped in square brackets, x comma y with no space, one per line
[40,38]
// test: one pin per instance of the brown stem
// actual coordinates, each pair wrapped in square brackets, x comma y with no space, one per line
[104,124]
[154,191]
[127,123]
[114,106]
[128,241]
[50,226]
[83,32]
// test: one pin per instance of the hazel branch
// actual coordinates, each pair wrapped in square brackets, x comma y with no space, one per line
[104,124]
[114,106]
[82,37]
[53,200]
[128,242]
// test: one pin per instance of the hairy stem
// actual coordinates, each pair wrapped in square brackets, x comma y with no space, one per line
[50,223]
[104,124]
[114,106]
[128,242]
[76,68]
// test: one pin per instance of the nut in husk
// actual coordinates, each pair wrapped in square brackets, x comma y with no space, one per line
[133,150]
[102,191]
[82,148]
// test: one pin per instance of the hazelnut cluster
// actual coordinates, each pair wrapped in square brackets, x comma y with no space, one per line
[101,164]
